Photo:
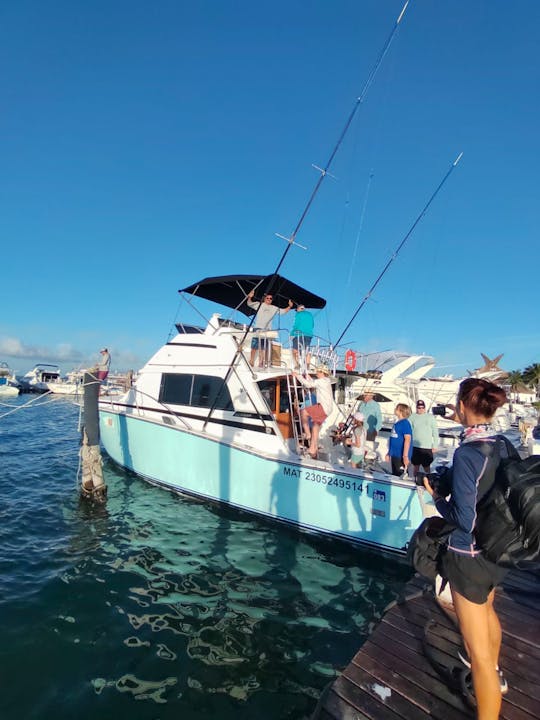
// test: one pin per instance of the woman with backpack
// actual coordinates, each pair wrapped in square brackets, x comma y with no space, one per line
[471,577]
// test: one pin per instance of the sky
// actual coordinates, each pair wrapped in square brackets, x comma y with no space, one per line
[146,146]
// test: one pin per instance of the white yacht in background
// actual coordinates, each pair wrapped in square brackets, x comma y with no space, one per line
[9,387]
[40,377]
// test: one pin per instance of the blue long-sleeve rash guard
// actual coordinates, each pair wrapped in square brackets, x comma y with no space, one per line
[470,466]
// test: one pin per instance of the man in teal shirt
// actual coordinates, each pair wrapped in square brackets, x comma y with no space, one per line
[371,410]
[302,333]
[425,437]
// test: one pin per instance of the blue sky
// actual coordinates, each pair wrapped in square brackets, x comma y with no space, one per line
[148,145]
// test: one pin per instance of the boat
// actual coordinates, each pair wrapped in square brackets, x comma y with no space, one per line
[41,376]
[201,421]
[9,387]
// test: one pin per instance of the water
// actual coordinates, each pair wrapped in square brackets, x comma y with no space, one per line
[159,607]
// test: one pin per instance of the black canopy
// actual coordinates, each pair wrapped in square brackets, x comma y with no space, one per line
[231,290]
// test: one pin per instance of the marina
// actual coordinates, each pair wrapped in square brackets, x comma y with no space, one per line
[223,531]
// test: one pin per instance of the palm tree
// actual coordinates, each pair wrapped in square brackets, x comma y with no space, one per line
[514,379]
[531,375]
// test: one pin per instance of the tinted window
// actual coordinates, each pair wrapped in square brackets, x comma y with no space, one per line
[176,389]
[195,390]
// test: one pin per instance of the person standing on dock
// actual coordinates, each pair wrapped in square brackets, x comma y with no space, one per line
[263,321]
[104,364]
[371,410]
[425,436]
[471,576]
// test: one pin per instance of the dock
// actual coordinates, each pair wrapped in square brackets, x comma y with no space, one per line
[390,677]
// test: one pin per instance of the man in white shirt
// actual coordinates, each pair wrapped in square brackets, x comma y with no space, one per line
[263,321]
[319,412]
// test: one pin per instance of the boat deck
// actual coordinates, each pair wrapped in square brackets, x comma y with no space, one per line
[390,677]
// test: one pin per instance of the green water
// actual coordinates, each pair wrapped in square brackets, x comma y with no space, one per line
[160,607]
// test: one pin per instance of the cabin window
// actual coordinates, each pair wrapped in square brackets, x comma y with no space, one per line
[195,390]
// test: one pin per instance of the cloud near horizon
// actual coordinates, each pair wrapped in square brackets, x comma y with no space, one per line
[14,350]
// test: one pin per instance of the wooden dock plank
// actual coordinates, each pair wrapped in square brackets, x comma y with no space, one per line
[390,677]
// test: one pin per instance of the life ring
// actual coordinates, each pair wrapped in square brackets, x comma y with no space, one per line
[350,360]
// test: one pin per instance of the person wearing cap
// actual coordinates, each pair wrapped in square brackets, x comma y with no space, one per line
[318,412]
[104,364]
[425,437]
[358,441]
[302,333]
[266,312]
[371,410]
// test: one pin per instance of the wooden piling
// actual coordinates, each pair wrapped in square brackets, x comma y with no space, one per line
[92,486]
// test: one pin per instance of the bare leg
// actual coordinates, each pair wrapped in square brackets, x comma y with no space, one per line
[314,444]
[304,417]
[481,632]
[252,356]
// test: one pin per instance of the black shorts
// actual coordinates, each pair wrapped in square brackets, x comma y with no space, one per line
[472,577]
[421,456]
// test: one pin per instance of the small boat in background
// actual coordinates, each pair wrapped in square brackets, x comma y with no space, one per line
[9,387]
[39,378]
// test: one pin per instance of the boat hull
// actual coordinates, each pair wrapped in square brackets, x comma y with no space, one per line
[359,507]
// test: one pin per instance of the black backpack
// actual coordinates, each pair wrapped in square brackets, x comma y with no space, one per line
[508,516]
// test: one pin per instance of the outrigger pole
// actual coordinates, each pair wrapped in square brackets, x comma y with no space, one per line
[323,174]
[324,171]
[401,244]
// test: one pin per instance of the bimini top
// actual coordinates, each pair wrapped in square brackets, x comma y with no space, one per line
[231,291]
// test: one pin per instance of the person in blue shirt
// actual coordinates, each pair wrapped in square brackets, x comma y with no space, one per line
[400,441]
[472,577]
[302,334]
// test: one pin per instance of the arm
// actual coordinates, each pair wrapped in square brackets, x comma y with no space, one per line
[304,381]
[406,446]
[249,300]
[286,310]
[379,417]
[460,510]
[435,434]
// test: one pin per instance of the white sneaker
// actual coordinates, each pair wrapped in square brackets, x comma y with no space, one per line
[463,656]
[443,594]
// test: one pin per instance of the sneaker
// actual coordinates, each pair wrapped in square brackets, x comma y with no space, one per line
[464,657]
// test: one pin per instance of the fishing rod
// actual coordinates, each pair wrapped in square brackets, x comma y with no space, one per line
[401,244]
[323,172]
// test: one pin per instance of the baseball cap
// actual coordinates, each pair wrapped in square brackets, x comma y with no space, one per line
[420,404]
[359,417]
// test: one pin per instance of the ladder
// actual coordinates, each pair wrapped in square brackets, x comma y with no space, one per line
[297,397]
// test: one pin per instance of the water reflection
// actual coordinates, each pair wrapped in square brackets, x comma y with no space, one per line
[190,610]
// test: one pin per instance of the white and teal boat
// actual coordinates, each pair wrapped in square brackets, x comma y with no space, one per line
[201,421]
